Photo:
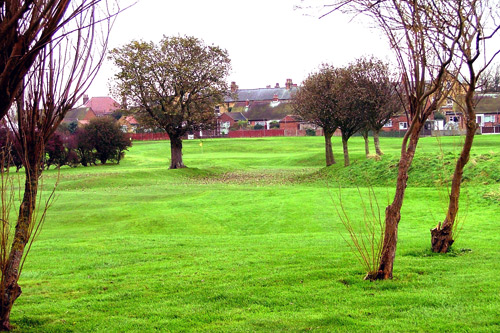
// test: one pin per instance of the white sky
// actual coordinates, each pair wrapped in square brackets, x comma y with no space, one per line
[267,40]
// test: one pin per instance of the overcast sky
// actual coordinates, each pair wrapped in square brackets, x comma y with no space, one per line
[268,41]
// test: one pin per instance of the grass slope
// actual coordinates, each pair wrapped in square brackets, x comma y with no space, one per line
[248,239]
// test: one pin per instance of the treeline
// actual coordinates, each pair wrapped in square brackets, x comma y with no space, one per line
[101,140]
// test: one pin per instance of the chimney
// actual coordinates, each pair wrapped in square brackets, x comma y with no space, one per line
[268,86]
[247,103]
[289,84]
[275,98]
[234,87]
[277,85]
[85,98]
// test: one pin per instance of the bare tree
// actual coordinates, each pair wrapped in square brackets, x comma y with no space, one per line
[62,71]
[424,48]
[26,27]
[317,102]
[177,83]
[480,21]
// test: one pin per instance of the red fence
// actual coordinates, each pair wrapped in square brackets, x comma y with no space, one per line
[256,133]
[148,136]
[490,130]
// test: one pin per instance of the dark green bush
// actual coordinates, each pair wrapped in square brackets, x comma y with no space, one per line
[310,132]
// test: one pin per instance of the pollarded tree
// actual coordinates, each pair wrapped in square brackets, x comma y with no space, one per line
[424,46]
[177,83]
[317,101]
[63,70]
[478,47]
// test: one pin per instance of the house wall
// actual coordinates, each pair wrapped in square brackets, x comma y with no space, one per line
[225,118]
[394,124]
[90,115]
[292,125]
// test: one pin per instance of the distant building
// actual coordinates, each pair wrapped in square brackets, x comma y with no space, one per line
[262,105]
[128,124]
[81,116]
[102,106]
[229,119]
[488,110]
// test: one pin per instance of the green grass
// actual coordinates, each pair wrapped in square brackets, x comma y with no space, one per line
[248,239]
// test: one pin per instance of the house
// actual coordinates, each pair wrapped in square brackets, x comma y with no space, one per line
[128,124]
[488,110]
[81,116]
[290,122]
[260,106]
[102,106]
[229,119]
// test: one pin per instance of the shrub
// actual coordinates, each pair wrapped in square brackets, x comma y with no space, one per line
[258,127]
[310,132]
[103,139]
[84,147]
[274,124]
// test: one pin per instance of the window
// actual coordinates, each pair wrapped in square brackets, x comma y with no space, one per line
[454,119]
[388,123]
[403,125]
[489,119]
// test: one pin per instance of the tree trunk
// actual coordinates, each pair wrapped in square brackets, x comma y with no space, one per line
[376,142]
[442,234]
[367,146]
[328,148]
[393,211]
[176,152]
[346,152]
[10,290]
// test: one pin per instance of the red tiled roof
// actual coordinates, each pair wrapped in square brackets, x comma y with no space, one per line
[131,120]
[102,105]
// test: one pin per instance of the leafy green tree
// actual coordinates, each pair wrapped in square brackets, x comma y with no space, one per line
[177,83]
[274,124]
[381,100]
[317,102]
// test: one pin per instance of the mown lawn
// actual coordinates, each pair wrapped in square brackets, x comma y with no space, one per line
[248,239]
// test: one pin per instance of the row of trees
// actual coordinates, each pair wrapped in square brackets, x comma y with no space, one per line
[357,98]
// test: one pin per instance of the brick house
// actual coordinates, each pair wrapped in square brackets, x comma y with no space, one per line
[488,110]
[290,122]
[229,119]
